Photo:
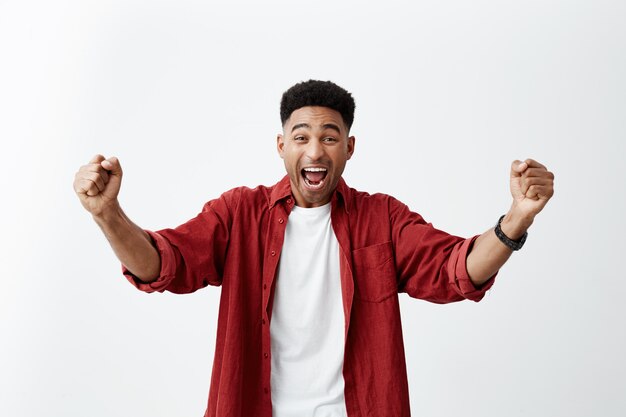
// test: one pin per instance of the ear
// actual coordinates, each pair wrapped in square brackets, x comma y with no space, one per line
[280,145]
[351,141]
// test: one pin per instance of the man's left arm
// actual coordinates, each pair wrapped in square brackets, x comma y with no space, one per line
[532,185]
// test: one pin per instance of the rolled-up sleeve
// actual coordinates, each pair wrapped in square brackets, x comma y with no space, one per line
[430,263]
[168,266]
[458,275]
[192,254]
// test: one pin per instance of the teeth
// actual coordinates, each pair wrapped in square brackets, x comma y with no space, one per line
[315,169]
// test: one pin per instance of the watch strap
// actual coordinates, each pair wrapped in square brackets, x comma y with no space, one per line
[510,243]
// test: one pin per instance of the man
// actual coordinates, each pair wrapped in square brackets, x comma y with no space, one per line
[309,320]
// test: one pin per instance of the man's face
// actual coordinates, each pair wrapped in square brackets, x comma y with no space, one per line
[315,147]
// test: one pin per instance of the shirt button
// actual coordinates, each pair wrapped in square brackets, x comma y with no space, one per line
[266,355]
[289,201]
[263,320]
[273,253]
[281,221]
[265,390]
[264,286]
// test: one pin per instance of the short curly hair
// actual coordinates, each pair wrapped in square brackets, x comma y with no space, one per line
[317,93]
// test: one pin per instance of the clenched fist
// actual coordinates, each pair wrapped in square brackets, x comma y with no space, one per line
[97,184]
[532,186]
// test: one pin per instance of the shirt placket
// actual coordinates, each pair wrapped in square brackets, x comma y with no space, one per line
[274,242]
[342,232]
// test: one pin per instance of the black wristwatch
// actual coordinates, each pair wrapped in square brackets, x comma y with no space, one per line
[510,243]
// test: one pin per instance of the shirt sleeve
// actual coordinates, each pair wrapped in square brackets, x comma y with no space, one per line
[192,254]
[430,263]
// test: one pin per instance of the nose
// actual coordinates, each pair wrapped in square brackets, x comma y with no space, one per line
[315,150]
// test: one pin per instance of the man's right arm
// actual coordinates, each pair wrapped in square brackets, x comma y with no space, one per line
[97,185]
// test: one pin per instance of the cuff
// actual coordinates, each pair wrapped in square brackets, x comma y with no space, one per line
[168,266]
[459,277]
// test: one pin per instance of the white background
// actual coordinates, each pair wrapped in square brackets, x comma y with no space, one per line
[186,94]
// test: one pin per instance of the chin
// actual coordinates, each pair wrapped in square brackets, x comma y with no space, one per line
[315,200]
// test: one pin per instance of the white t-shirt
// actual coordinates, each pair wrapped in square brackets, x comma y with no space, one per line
[307,326]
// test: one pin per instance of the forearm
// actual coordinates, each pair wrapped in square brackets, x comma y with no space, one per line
[532,185]
[488,253]
[131,244]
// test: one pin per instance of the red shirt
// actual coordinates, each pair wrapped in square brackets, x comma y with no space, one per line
[385,249]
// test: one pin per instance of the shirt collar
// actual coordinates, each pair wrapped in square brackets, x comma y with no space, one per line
[282,191]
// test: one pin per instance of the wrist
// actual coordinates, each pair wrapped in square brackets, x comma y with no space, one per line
[109,213]
[512,244]
[515,224]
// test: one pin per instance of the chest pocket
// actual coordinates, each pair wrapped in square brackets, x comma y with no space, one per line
[374,272]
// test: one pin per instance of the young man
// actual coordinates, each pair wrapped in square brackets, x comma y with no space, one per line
[310,269]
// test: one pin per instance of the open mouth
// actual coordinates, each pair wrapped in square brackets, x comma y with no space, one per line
[314,177]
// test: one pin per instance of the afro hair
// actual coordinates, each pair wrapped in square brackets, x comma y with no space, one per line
[318,93]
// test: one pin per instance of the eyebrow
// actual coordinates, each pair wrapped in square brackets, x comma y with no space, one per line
[331,126]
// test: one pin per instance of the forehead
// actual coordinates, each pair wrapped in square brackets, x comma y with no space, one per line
[315,116]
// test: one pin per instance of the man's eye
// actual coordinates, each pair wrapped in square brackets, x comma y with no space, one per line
[299,138]
[330,139]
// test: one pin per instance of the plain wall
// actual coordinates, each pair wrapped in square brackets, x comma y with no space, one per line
[186,94]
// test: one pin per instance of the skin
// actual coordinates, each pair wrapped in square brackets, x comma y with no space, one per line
[97,185]
[532,186]
[312,137]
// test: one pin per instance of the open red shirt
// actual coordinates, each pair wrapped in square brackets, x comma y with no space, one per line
[385,249]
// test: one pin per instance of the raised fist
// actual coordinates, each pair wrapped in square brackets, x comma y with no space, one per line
[532,185]
[97,184]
